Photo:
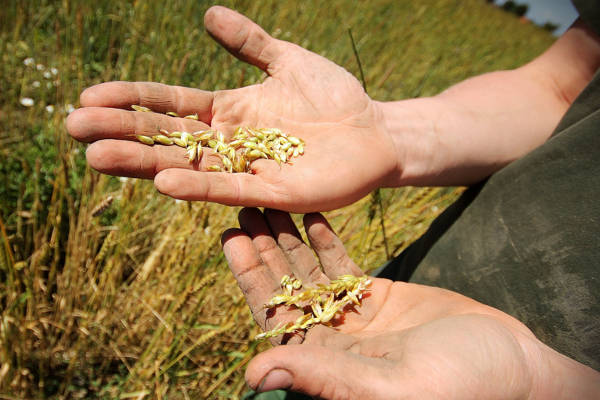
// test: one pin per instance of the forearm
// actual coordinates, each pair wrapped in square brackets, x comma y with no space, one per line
[471,130]
[480,125]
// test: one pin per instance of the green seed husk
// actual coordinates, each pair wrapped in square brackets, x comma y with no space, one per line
[179,142]
[145,139]
[162,139]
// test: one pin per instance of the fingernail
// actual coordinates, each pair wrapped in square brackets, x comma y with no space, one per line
[276,379]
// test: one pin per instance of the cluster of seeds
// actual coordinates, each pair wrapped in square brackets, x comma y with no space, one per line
[326,301]
[245,146]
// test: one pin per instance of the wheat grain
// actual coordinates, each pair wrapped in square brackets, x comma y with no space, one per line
[145,139]
[141,108]
[246,145]
[162,139]
[179,142]
[326,302]
[192,151]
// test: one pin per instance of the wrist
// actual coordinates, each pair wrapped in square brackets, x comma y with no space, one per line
[411,127]
[557,376]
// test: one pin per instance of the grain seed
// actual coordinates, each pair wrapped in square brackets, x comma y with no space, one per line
[141,108]
[162,139]
[145,139]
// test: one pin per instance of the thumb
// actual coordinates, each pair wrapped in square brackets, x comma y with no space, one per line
[318,371]
[242,37]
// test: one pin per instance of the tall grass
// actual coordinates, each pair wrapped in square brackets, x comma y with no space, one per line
[138,302]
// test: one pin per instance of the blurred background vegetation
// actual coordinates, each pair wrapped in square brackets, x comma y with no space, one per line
[138,302]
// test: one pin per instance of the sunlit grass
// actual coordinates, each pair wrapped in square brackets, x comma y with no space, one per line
[138,302]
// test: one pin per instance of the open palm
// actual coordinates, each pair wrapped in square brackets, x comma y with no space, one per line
[347,152]
[404,341]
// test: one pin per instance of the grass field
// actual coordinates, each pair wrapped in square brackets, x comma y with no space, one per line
[138,302]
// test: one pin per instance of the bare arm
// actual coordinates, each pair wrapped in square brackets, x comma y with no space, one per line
[353,144]
[478,126]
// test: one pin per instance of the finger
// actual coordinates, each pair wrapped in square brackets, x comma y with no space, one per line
[136,160]
[95,123]
[254,278]
[329,247]
[219,187]
[302,260]
[253,223]
[156,96]
[258,284]
[320,371]
[243,38]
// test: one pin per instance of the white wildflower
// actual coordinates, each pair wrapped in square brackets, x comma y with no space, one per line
[49,85]
[27,101]
[29,61]
[35,84]
[69,108]
[47,75]
[49,108]
[123,179]
[54,71]
[40,67]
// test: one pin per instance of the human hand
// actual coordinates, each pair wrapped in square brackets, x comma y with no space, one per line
[347,152]
[404,341]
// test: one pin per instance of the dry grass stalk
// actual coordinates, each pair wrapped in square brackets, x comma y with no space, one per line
[154,258]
